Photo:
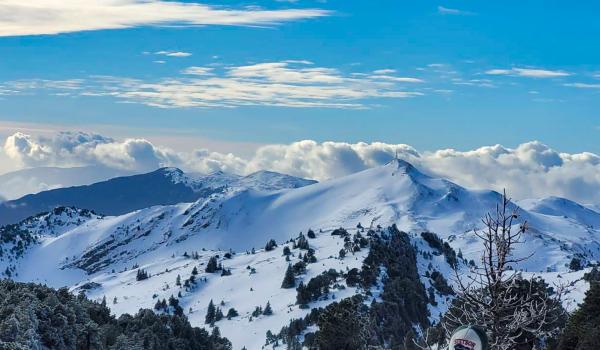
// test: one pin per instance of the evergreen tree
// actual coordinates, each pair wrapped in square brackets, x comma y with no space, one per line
[271,244]
[311,234]
[218,315]
[268,311]
[575,264]
[178,281]
[289,281]
[302,242]
[257,311]
[141,275]
[194,271]
[212,265]
[583,328]
[210,313]
[232,313]
[287,251]
[38,317]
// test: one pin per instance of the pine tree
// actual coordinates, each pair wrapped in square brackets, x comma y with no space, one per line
[289,281]
[210,313]
[271,244]
[268,311]
[178,281]
[311,234]
[286,251]
[218,315]
[302,242]
[257,311]
[194,271]
[212,265]
[583,328]
[232,313]
[141,275]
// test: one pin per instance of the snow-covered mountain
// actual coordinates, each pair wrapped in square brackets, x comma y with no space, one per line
[101,254]
[122,195]
[19,183]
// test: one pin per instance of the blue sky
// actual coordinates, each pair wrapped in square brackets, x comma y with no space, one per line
[431,74]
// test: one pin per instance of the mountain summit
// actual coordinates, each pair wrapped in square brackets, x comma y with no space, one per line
[121,195]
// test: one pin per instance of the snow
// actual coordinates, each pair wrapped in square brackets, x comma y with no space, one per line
[75,248]
[242,290]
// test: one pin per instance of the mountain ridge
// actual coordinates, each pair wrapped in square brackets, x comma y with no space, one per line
[124,194]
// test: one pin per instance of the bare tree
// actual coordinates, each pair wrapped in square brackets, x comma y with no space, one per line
[515,312]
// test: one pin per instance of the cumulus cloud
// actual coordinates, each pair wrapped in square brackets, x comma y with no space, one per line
[286,83]
[35,17]
[531,169]
[529,72]
[77,148]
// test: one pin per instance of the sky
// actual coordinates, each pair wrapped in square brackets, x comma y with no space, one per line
[233,77]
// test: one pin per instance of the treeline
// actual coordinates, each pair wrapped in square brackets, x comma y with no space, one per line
[33,316]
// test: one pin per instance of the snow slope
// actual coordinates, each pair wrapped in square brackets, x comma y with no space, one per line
[243,290]
[79,249]
[123,195]
[396,193]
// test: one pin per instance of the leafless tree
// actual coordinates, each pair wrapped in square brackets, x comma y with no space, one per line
[515,312]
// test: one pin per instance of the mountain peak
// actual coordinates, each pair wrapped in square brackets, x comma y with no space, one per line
[400,164]
[169,171]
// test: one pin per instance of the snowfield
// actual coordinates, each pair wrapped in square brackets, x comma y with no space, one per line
[102,254]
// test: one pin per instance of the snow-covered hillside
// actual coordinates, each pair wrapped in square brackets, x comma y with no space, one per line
[102,254]
[123,195]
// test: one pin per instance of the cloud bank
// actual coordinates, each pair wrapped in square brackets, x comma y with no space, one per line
[530,170]
[36,17]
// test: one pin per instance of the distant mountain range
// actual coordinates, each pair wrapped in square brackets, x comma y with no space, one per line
[129,193]
[19,183]
[167,223]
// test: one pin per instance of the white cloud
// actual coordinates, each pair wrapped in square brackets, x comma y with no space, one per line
[35,17]
[197,70]
[286,83]
[529,72]
[398,79]
[583,85]
[77,148]
[173,53]
[531,169]
[384,71]
[451,11]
